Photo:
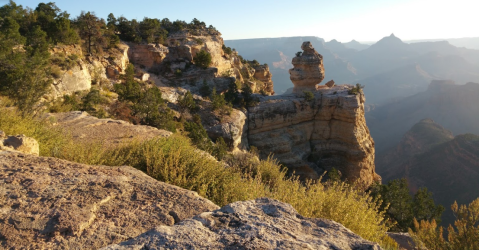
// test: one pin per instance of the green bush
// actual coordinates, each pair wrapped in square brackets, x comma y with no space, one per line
[308,96]
[205,89]
[402,208]
[463,235]
[186,102]
[358,89]
[202,59]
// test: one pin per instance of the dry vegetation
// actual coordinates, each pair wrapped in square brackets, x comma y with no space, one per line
[176,161]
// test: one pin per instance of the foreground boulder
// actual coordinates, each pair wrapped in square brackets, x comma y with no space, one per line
[258,224]
[20,143]
[47,203]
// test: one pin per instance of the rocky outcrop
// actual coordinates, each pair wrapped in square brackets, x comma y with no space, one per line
[258,224]
[147,55]
[313,136]
[263,74]
[185,44]
[308,69]
[404,241]
[232,128]
[84,127]
[47,203]
[19,143]
[86,70]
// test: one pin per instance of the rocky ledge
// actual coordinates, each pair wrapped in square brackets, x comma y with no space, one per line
[47,203]
[258,224]
[314,134]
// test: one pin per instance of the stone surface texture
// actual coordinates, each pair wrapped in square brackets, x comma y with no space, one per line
[257,224]
[85,127]
[311,137]
[20,143]
[88,68]
[404,241]
[147,55]
[47,203]
[308,69]
[232,128]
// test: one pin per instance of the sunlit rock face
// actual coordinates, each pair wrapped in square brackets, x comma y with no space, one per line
[308,69]
[311,136]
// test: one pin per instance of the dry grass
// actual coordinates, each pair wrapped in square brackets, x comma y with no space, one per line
[176,161]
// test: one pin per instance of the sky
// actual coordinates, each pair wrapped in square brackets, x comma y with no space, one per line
[343,20]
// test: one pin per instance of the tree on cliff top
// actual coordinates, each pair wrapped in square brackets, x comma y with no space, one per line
[90,27]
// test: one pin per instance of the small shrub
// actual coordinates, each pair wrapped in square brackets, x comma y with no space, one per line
[308,96]
[205,89]
[56,72]
[463,235]
[299,53]
[227,50]
[217,100]
[187,102]
[358,89]
[199,41]
[220,149]
[202,59]
[178,73]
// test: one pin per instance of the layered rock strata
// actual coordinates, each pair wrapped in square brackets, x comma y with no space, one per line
[258,224]
[311,136]
[47,203]
[263,74]
[308,69]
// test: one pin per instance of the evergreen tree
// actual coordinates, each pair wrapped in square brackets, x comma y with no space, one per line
[90,29]
[24,75]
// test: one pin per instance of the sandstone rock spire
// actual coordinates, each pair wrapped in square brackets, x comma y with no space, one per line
[308,69]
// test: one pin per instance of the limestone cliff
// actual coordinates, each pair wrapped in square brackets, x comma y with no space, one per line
[313,136]
[84,70]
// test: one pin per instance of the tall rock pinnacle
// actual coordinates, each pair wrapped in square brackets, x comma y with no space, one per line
[308,69]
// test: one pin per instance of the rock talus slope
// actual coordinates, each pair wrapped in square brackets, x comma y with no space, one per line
[258,224]
[314,136]
[47,203]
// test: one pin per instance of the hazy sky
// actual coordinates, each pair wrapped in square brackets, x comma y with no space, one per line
[344,20]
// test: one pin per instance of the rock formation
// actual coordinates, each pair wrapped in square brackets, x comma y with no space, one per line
[263,74]
[147,55]
[314,136]
[84,127]
[185,44]
[47,203]
[258,224]
[20,143]
[87,69]
[308,69]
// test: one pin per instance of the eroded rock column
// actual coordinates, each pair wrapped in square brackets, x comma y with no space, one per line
[308,69]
